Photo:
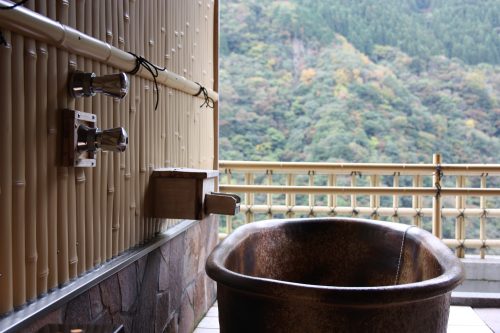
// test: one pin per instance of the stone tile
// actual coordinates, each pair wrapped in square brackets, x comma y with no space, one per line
[162,312]
[96,307]
[468,329]
[141,268]
[173,325]
[78,310]
[103,319]
[126,320]
[491,318]
[206,330]
[110,293]
[186,315]
[200,305]
[175,272]
[213,312]
[463,316]
[209,322]
[127,279]
[146,310]
[191,255]
[164,281]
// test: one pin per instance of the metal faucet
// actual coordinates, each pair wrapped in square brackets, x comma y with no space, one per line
[88,84]
[91,139]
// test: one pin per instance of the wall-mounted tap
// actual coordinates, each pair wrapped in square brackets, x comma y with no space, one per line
[81,139]
[88,84]
[92,138]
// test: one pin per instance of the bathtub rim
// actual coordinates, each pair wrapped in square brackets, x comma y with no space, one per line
[452,276]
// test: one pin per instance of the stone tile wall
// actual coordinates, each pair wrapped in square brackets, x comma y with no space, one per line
[165,291]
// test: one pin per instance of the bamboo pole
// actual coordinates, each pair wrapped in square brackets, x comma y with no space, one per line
[30,81]
[289,197]
[366,211]
[312,201]
[138,136]
[395,198]
[103,119]
[436,200]
[78,19]
[125,241]
[346,190]
[18,172]
[460,219]
[417,201]
[332,198]
[353,195]
[6,283]
[374,199]
[249,197]
[368,168]
[269,195]
[482,219]
[65,17]
[115,158]
[43,29]
[52,121]
[41,155]
[63,190]
[98,199]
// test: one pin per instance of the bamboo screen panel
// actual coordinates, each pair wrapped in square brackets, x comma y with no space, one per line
[56,222]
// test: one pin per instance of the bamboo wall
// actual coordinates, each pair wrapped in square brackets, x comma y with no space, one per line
[56,222]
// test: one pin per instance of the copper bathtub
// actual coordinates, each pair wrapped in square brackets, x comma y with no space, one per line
[333,275]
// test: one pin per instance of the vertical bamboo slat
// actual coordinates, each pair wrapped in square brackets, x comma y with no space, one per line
[99,250]
[31,162]
[70,19]
[18,171]
[249,197]
[42,172]
[78,16]
[116,169]
[6,301]
[125,241]
[103,119]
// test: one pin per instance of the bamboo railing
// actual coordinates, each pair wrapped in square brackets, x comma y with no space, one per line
[273,189]
[57,223]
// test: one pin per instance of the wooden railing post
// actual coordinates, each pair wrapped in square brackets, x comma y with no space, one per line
[417,202]
[249,198]
[332,198]
[269,174]
[312,199]
[395,198]
[374,198]
[289,197]
[436,201]
[482,219]
[460,220]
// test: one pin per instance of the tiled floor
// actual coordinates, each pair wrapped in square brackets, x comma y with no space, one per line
[463,319]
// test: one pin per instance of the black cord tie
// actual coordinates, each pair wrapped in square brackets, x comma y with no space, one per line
[439,176]
[151,68]
[14,5]
[209,102]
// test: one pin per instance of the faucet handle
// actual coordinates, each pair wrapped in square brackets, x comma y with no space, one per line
[114,139]
[88,84]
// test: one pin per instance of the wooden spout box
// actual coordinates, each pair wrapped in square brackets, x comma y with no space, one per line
[181,193]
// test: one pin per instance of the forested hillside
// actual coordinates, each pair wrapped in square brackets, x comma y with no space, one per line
[360,81]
